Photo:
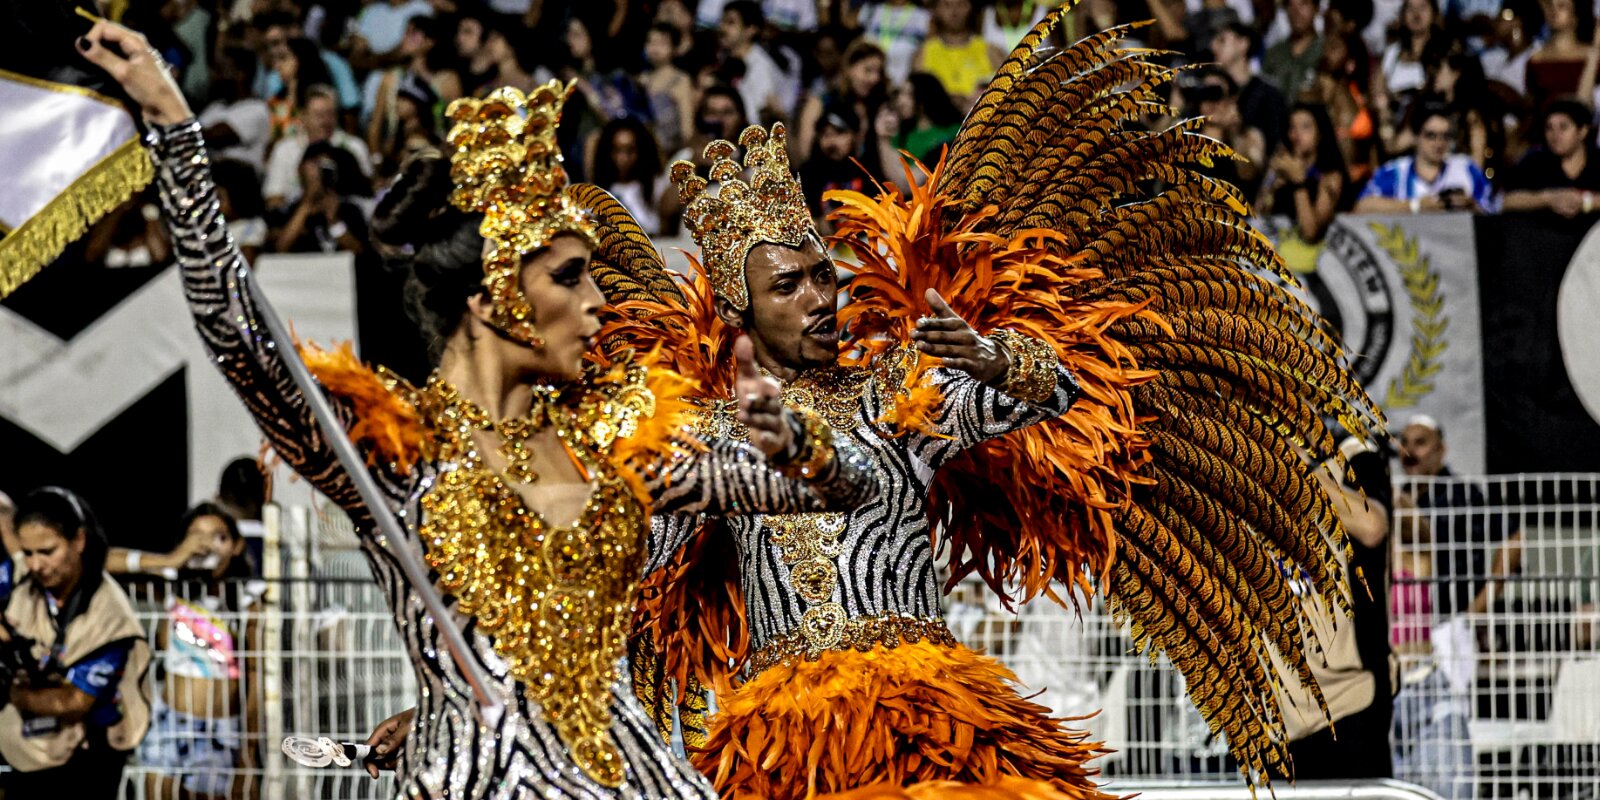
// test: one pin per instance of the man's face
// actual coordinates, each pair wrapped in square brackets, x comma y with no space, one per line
[1302,15]
[1433,141]
[732,33]
[1421,450]
[793,317]
[320,118]
[1228,47]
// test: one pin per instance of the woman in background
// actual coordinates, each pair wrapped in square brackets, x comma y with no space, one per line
[78,699]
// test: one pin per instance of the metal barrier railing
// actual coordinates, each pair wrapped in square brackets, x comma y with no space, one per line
[1502,701]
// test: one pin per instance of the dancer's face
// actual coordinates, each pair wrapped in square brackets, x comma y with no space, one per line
[792,319]
[566,310]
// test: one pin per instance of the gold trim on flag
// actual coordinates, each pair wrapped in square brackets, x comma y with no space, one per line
[68,215]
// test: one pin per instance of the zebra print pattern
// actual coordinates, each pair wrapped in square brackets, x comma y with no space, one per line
[452,751]
[887,559]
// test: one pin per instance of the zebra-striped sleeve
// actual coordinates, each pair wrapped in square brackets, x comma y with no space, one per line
[222,296]
[730,479]
[974,412]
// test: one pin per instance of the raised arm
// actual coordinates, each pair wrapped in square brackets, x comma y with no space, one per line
[222,295]
[216,279]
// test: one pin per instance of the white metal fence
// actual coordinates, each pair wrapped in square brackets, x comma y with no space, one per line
[1500,701]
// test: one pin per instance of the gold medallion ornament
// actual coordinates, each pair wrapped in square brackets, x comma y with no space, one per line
[506,165]
[557,600]
[770,208]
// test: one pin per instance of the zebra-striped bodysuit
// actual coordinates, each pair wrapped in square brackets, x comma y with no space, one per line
[883,558]
[451,751]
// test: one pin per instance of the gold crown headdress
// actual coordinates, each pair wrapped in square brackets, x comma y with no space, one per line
[506,165]
[769,209]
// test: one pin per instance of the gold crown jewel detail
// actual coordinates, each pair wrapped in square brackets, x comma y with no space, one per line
[769,208]
[506,164]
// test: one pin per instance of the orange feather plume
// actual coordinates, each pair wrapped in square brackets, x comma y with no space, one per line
[381,421]
[1061,479]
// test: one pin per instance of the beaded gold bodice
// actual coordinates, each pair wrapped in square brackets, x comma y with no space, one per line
[557,599]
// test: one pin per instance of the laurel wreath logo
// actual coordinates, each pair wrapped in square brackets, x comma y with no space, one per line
[1428,320]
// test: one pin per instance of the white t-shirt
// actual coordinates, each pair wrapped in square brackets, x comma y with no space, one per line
[762,80]
[283,166]
[251,120]
[1384,13]
[518,7]
[1511,71]
[384,25]
[1402,75]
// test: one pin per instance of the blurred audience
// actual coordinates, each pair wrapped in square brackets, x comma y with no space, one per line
[373,79]
[1562,175]
[955,54]
[1436,178]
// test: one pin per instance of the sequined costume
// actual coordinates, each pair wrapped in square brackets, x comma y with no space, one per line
[1130,293]
[571,729]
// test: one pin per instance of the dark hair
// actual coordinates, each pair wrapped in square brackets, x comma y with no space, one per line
[1421,112]
[1357,12]
[63,511]
[727,92]
[1406,38]
[242,184]
[673,34]
[243,485]
[749,12]
[1571,108]
[444,265]
[313,71]
[646,169]
[837,115]
[969,25]
[243,61]
[1328,158]
[239,566]
[350,181]
[274,19]
[932,100]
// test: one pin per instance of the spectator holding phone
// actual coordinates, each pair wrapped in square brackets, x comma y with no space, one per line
[1434,179]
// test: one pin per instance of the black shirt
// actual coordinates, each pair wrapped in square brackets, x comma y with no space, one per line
[1541,169]
[1461,540]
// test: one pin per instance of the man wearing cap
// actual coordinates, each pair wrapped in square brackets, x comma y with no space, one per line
[1462,541]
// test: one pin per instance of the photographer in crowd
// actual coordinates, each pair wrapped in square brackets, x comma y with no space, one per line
[72,657]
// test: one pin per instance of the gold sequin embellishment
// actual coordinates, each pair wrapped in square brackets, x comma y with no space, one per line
[557,600]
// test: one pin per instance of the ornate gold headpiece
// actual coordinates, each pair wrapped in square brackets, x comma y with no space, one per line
[506,165]
[770,208]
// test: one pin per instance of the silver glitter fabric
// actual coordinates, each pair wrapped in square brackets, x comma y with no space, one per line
[882,560]
[452,752]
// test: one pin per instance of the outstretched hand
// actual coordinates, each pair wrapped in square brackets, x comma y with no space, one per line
[948,337]
[761,404]
[129,59]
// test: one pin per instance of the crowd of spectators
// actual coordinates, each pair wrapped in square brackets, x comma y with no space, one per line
[1337,105]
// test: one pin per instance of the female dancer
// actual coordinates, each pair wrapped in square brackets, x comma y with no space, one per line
[525,482]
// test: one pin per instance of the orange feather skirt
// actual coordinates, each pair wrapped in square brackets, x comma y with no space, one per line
[915,721]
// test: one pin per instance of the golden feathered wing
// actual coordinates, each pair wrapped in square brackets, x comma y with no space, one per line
[1176,485]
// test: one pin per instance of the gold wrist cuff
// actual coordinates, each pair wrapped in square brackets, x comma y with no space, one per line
[816,447]
[1032,377]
